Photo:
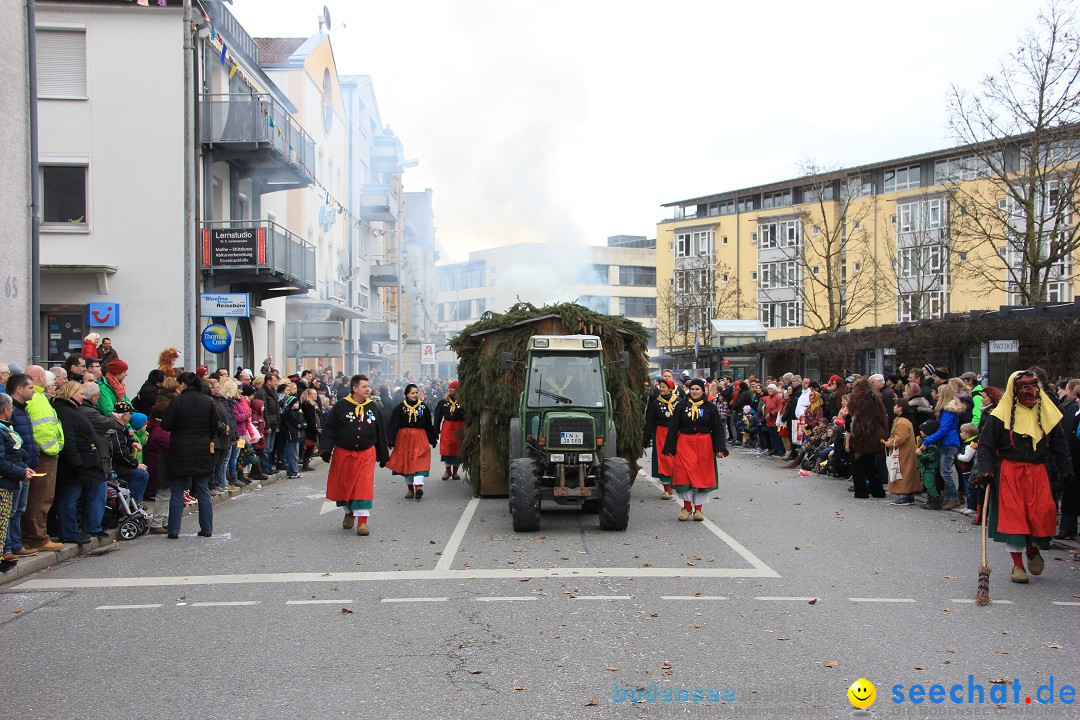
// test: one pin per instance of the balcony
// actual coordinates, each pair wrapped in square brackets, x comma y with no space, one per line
[384,271]
[331,303]
[387,155]
[258,256]
[378,202]
[258,131]
[379,326]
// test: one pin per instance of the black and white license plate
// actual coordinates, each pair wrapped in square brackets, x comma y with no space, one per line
[571,438]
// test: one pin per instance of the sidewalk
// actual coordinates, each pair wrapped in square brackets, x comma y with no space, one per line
[46,560]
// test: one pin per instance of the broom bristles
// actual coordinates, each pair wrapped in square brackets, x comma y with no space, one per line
[982,594]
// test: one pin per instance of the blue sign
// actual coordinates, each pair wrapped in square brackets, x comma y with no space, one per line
[216,338]
[103,314]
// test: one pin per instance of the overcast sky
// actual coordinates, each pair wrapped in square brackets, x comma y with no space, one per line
[572,120]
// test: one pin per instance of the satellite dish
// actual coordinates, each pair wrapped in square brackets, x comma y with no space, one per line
[325,18]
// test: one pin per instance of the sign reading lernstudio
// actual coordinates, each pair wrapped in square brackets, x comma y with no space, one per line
[224,247]
[225,304]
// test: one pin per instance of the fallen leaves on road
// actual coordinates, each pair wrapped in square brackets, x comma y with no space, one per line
[520,687]
[591,703]
[950,577]
[475,672]
[346,611]
[17,610]
[831,664]
[1002,652]
[666,666]
[1055,646]
[812,601]
[326,574]
[612,669]
[920,667]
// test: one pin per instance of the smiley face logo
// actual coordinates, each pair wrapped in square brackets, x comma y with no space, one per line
[862,693]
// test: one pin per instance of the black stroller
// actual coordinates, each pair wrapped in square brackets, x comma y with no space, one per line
[122,512]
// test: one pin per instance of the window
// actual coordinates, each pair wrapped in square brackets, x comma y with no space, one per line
[363,297]
[327,101]
[778,199]
[637,276]
[682,245]
[921,306]
[723,239]
[595,274]
[780,274]
[723,278]
[637,307]
[780,314]
[904,178]
[63,194]
[61,63]
[786,233]
[753,276]
[699,242]
[596,303]
[859,186]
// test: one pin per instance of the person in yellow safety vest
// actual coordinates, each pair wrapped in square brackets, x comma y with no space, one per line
[49,436]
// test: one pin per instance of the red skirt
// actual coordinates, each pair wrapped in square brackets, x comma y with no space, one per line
[665,464]
[695,464]
[351,476]
[1025,507]
[450,438]
[411,454]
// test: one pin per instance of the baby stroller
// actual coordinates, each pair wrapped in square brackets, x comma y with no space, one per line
[122,512]
[810,456]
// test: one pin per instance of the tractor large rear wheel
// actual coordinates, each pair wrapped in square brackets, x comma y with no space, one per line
[615,497]
[525,495]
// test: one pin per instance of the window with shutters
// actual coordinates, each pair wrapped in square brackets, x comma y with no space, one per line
[63,195]
[61,63]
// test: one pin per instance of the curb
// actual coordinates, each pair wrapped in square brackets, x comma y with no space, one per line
[47,560]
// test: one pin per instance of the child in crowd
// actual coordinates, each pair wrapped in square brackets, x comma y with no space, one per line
[929,461]
[964,461]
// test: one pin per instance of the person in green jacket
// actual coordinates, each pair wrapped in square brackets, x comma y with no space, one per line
[975,389]
[112,386]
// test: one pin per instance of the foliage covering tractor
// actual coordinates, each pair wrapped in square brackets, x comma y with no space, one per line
[562,445]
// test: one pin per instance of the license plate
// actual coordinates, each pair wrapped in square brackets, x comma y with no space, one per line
[572,438]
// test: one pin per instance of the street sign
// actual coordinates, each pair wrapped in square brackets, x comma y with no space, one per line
[1004,346]
[103,314]
[725,363]
[889,351]
[240,247]
[225,304]
[390,348]
[427,354]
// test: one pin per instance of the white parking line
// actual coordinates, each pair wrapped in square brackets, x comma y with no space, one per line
[693,597]
[233,603]
[884,600]
[415,599]
[446,561]
[508,598]
[969,600]
[601,597]
[802,599]
[1068,604]
[127,607]
[318,602]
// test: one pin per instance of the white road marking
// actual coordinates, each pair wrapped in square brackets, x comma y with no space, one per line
[969,600]
[318,602]
[1068,604]
[601,597]
[498,598]
[127,607]
[448,553]
[763,569]
[316,497]
[232,603]
[803,599]
[328,506]
[693,597]
[384,575]
[415,599]
[884,600]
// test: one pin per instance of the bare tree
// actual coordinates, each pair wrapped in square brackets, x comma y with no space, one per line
[666,313]
[822,259]
[701,289]
[1015,230]
[918,240]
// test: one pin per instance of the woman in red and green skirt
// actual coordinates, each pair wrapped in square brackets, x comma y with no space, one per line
[450,421]
[658,417]
[411,431]
[696,438]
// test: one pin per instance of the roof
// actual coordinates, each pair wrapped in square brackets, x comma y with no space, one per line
[275,51]
[738,327]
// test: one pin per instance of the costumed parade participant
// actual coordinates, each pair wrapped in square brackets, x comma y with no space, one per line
[410,431]
[450,420]
[353,439]
[1023,434]
[696,439]
[658,415]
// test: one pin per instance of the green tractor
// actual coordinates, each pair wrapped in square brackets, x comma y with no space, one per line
[563,443]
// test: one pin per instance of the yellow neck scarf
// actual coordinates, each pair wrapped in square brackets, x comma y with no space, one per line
[669,401]
[413,411]
[1034,422]
[451,404]
[693,409]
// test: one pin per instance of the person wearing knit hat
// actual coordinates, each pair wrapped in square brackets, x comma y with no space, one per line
[695,438]
[409,431]
[450,424]
[112,386]
[202,371]
[659,413]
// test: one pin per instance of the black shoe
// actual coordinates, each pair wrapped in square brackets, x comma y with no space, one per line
[306,468]
[81,540]
[933,503]
[204,534]
[418,493]
[6,565]
[174,536]
[101,534]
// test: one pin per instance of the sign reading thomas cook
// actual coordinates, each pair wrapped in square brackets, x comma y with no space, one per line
[233,247]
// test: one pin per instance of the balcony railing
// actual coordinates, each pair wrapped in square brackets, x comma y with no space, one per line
[378,202]
[242,122]
[225,22]
[384,271]
[257,253]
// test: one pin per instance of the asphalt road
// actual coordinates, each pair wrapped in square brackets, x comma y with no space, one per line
[789,593]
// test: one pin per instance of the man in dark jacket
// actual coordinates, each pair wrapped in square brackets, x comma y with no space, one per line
[21,388]
[192,421]
[271,419]
[148,393]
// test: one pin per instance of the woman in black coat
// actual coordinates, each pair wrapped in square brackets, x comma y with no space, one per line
[79,470]
[313,426]
[192,421]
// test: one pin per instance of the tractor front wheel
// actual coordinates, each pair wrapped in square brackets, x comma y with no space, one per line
[615,496]
[525,495]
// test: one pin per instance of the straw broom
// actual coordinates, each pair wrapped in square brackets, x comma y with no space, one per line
[982,594]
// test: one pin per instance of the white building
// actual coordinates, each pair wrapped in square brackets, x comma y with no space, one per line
[617,279]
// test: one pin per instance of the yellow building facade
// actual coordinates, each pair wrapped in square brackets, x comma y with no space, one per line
[844,249]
